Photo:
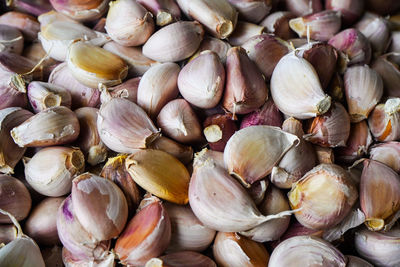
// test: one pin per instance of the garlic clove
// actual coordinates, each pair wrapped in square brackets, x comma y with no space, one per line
[115,170]
[384,121]
[219,17]
[274,202]
[379,205]
[266,50]
[15,199]
[182,259]
[34,8]
[296,89]
[388,7]
[319,26]
[43,95]
[231,249]
[297,161]
[165,11]
[27,24]
[99,205]
[146,236]
[51,16]
[127,89]
[306,251]
[245,88]
[41,224]
[56,37]
[377,31]
[124,127]
[351,11]
[183,153]
[10,153]
[379,248]
[54,179]
[363,89]
[395,44]
[357,145]
[129,23]
[75,238]
[160,174]
[278,24]
[387,153]
[354,44]
[12,90]
[137,63]
[8,233]
[11,39]
[324,154]
[26,68]
[387,67]
[69,260]
[324,196]
[218,128]
[201,81]
[304,7]
[252,11]
[92,65]
[331,129]
[256,142]
[81,11]
[268,114]
[244,31]
[157,87]
[187,232]
[53,126]
[178,121]
[187,37]
[257,191]
[218,46]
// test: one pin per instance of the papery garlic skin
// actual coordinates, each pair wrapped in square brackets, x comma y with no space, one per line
[70,260]
[233,250]
[384,121]
[129,23]
[278,24]
[296,89]
[256,142]
[218,46]
[51,170]
[306,251]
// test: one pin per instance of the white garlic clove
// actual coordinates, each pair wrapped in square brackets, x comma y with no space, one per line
[165,11]
[387,153]
[43,95]
[81,11]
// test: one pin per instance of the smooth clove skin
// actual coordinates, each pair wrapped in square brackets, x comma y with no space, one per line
[8,233]
[304,7]
[387,153]
[353,261]
[81,11]
[278,24]
[182,259]
[164,11]
[351,11]
[218,128]
[45,95]
[252,11]
[183,153]
[127,89]
[27,24]
[388,68]
[216,45]
[11,39]
[268,114]
[243,32]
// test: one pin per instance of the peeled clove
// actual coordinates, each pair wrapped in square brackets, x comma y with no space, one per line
[219,17]
[157,87]
[182,259]
[27,24]
[354,44]
[266,50]
[323,197]
[357,145]
[218,129]
[43,95]
[319,26]
[129,23]
[297,161]
[331,129]
[179,151]
[304,7]
[233,250]
[178,121]
[115,170]
[384,121]
[146,236]
[165,11]
[268,114]
[387,153]
[218,46]
[99,205]
[56,37]
[53,126]
[351,11]
[256,142]
[187,232]
[81,95]
[379,206]
[306,251]
[92,65]
[379,248]
[11,39]
[41,224]
[377,31]
[15,199]
[127,89]
[245,88]
[137,63]
[201,82]
[243,32]
[81,11]
[278,24]
[363,89]
[10,153]
[124,127]
[187,37]
[296,89]
[54,180]
[252,11]
[275,201]
[387,67]
[160,174]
